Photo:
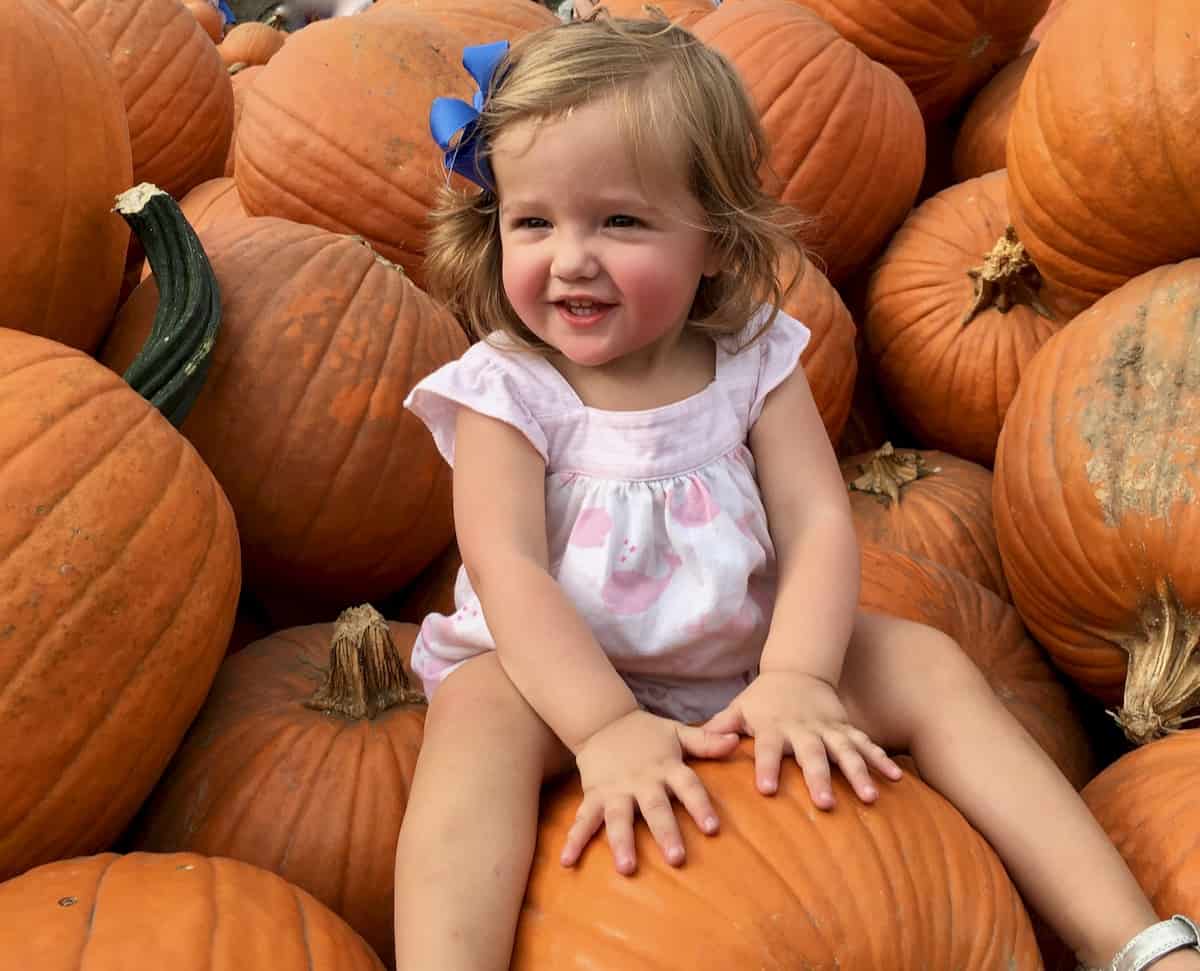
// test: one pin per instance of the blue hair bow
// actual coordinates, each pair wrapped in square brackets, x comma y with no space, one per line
[451,116]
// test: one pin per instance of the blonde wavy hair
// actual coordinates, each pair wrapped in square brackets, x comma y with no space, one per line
[664,80]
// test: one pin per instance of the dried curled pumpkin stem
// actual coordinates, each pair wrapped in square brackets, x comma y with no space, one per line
[889,471]
[366,674]
[1006,278]
[1162,682]
[170,369]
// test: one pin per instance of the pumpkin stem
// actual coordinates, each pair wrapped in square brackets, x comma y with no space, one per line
[889,471]
[1161,683]
[1006,278]
[366,674]
[170,369]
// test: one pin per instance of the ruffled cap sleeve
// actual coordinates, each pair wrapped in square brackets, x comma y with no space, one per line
[780,349]
[481,381]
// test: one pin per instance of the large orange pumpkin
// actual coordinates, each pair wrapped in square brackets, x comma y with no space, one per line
[927,504]
[953,316]
[64,156]
[990,632]
[683,12]
[241,79]
[179,911]
[982,139]
[835,119]
[904,883]
[1102,149]
[943,49]
[300,762]
[340,493]
[1095,498]
[335,131]
[177,95]
[1146,803]
[118,584]
[478,21]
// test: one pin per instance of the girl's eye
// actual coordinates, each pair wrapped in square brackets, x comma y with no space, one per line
[531,222]
[623,222]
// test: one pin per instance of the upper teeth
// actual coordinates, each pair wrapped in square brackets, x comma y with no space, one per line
[580,304]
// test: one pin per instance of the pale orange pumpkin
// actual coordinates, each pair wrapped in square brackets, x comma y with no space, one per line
[250,44]
[478,21]
[209,17]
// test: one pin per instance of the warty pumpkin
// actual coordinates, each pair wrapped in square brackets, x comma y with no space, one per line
[180,911]
[982,139]
[300,762]
[1094,498]
[340,493]
[835,120]
[1146,802]
[953,314]
[119,578]
[990,633]
[335,131]
[178,101]
[903,883]
[64,156]
[928,504]
[944,51]
[1102,149]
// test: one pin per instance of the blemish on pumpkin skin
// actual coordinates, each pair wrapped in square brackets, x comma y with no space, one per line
[1139,464]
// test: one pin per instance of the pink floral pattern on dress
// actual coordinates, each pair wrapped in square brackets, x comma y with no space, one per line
[591,528]
[631,591]
[693,505]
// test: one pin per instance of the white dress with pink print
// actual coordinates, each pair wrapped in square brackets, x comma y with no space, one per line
[655,526]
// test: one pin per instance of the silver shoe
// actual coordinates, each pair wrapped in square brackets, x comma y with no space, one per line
[1156,941]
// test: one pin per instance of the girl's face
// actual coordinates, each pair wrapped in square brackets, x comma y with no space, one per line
[597,262]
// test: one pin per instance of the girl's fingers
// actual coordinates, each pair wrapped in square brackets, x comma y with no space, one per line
[705,744]
[875,755]
[587,821]
[810,755]
[655,806]
[768,754]
[854,767]
[690,791]
[726,720]
[618,826]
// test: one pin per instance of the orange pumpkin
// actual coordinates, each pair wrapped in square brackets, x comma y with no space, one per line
[990,632]
[251,43]
[241,80]
[209,17]
[782,886]
[1094,495]
[335,131]
[953,316]
[66,156]
[1102,147]
[945,50]
[1043,25]
[478,21]
[334,733]
[927,504]
[119,566]
[982,138]
[178,911]
[835,120]
[178,100]
[682,12]
[1146,803]
[340,493]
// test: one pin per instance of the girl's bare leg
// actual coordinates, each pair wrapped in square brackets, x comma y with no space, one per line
[468,836]
[912,688]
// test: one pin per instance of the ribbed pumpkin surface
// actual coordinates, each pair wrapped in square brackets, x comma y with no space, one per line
[950,380]
[982,139]
[1102,149]
[118,584]
[1146,802]
[179,911]
[830,363]
[316,798]
[943,49]
[945,516]
[990,632]
[835,119]
[177,95]
[340,493]
[335,131]
[1095,495]
[479,21]
[904,883]
[64,156]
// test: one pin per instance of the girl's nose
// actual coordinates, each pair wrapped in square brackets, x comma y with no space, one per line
[573,259]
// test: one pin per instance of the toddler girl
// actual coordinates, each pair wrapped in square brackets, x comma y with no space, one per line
[657,545]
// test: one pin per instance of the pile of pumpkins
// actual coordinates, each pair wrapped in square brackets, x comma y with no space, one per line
[207,735]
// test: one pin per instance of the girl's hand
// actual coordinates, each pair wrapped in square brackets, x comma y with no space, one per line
[637,760]
[787,711]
